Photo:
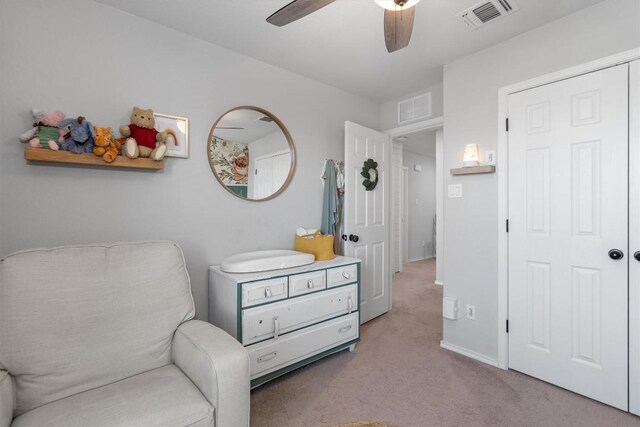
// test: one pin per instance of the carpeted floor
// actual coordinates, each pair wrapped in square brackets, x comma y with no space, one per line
[400,375]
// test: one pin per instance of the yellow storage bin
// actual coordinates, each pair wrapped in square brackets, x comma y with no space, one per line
[317,244]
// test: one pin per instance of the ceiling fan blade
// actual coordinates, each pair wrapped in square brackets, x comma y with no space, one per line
[295,10]
[397,28]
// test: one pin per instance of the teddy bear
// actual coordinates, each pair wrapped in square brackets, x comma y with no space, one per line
[105,146]
[47,131]
[79,138]
[143,140]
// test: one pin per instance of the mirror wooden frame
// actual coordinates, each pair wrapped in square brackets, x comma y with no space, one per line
[287,135]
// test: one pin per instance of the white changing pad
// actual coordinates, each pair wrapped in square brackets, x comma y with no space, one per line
[252,262]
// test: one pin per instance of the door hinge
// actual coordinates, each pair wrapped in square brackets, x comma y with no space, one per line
[507,124]
[507,226]
[507,325]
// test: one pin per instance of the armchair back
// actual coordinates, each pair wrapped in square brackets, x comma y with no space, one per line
[78,317]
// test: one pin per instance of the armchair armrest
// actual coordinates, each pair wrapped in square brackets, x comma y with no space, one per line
[219,366]
[7,399]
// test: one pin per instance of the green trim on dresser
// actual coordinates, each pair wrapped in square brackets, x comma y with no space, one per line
[239,312]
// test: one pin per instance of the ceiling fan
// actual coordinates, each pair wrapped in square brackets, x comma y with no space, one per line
[398,18]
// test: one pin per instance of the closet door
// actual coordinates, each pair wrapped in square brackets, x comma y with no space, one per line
[634,237]
[568,209]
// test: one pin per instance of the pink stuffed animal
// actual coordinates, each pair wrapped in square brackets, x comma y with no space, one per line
[47,133]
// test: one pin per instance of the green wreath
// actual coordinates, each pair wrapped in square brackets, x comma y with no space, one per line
[369,166]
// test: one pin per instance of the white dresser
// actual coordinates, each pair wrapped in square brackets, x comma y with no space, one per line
[288,318]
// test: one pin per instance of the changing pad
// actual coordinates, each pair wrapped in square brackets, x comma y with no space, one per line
[252,262]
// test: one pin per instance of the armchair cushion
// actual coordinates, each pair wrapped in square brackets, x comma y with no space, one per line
[76,318]
[219,366]
[160,397]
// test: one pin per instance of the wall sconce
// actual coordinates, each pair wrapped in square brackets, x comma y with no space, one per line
[471,157]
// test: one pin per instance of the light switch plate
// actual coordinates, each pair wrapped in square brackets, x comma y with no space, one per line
[490,158]
[455,191]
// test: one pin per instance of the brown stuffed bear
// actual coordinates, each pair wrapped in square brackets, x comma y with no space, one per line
[143,140]
[105,146]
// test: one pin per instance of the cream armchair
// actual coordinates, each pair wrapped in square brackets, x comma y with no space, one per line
[102,335]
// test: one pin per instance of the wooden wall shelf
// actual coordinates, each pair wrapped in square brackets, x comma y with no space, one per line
[473,170]
[88,159]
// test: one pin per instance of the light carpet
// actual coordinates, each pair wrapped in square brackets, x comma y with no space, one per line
[400,375]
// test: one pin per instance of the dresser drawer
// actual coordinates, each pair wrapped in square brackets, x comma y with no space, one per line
[269,356]
[342,275]
[267,321]
[300,284]
[264,291]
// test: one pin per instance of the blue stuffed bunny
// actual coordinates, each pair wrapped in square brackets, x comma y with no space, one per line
[79,136]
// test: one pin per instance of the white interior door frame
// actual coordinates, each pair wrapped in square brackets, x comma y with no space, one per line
[634,237]
[502,170]
[405,214]
[436,123]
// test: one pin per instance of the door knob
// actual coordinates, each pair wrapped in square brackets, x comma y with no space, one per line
[637,255]
[344,237]
[616,254]
[353,238]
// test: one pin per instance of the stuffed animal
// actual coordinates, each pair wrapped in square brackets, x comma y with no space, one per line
[143,140]
[80,136]
[105,146]
[46,131]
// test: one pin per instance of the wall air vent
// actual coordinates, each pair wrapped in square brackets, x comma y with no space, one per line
[487,11]
[418,107]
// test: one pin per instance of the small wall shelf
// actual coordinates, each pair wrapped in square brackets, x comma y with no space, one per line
[473,170]
[89,159]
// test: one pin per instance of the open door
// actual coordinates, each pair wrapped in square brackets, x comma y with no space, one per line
[367,217]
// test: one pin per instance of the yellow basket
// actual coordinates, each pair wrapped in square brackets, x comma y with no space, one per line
[317,244]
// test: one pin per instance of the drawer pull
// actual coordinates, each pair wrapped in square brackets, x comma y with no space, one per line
[344,329]
[350,302]
[346,275]
[276,327]
[267,292]
[267,357]
[310,284]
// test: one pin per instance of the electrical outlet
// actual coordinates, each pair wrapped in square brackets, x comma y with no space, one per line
[471,312]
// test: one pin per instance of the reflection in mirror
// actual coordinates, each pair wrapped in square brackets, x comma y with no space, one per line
[251,153]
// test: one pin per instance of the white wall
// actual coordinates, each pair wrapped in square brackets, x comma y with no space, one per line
[88,59]
[421,205]
[471,110]
[389,110]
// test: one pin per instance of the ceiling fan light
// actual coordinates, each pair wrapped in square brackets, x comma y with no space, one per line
[391,4]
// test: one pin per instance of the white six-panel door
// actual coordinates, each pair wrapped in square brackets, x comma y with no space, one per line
[568,206]
[366,215]
[634,237]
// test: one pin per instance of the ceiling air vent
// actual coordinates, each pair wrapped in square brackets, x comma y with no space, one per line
[415,108]
[482,13]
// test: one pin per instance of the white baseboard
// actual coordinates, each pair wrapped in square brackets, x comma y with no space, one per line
[438,282]
[418,259]
[469,353]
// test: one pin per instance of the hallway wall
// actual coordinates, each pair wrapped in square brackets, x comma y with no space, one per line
[421,205]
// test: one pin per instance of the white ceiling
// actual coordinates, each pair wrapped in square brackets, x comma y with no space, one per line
[252,128]
[343,44]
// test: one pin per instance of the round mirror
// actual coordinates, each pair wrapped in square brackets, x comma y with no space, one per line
[251,153]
